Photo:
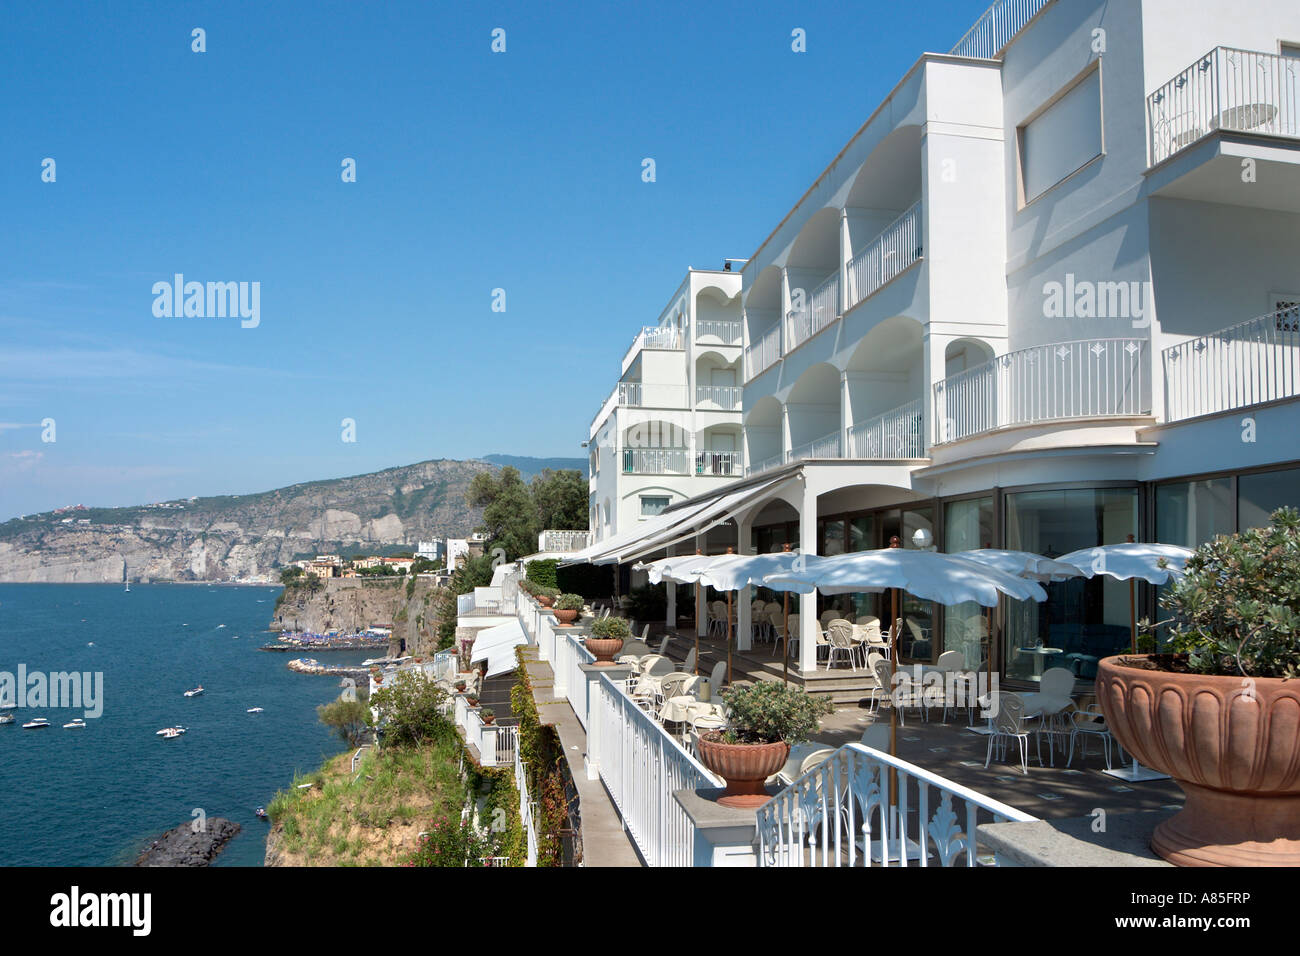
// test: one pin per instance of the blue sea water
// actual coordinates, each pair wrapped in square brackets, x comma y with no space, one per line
[95,797]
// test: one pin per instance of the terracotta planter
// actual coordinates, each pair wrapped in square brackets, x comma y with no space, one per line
[565,617]
[605,648]
[544,600]
[1232,744]
[743,766]
[489,721]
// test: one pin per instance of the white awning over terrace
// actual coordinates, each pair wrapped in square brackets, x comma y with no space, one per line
[496,645]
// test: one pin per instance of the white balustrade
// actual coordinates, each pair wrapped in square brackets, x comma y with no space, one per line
[726,330]
[840,814]
[763,354]
[1092,378]
[722,463]
[895,434]
[725,397]
[1227,89]
[527,816]
[1247,364]
[656,461]
[828,446]
[886,256]
[996,27]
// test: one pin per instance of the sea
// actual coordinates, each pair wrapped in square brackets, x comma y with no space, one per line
[97,796]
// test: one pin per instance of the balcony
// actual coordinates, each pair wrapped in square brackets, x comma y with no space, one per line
[563,542]
[997,27]
[828,446]
[767,464]
[721,464]
[650,395]
[822,309]
[728,332]
[895,434]
[1088,379]
[663,338]
[890,254]
[1239,91]
[1251,363]
[763,354]
[724,398]
[656,461]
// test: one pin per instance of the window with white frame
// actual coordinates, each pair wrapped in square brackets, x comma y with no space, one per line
[1062,137]
[652,505]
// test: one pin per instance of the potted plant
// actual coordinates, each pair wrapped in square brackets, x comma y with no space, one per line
[460,687]
[471,699]
[488,715]
[607,637]
[763,720]
[568,607]
[545,595]
[1221,712]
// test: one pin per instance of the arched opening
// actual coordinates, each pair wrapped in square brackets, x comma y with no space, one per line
[718,451]
[762,434]
[655,447]
[813,407]
[717,317]
[886,382]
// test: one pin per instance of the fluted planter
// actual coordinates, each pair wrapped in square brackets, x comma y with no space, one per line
[565,617]
[544,600]
[604,649]
[1231,743]
[744,767]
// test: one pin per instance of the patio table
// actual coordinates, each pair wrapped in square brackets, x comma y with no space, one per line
[1040,655]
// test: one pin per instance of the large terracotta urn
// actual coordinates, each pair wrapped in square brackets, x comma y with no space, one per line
[744,767]
[565,617]
[545,600]
[1231,743]
[604,649]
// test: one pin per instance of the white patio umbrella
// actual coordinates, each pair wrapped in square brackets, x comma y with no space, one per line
[1151,562]
[682,569]
[734,572]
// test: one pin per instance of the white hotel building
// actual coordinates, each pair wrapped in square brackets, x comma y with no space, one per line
[671,428]
[1046,297]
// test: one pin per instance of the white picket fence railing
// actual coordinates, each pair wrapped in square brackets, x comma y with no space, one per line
[997,27]
[828,446]
[840,814]
[897,247]
[895,434]
[527,816]
[763,354]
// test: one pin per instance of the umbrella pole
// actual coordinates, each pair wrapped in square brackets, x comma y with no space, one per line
[1132,616]
[893,709]
[728,639]
[698,610]
[785,646]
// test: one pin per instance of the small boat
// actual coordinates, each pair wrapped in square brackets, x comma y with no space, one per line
[254,710]
[36,724]
[171,731]
[91,644]
[6,718]
[75,724]
[261,813]
[194,691]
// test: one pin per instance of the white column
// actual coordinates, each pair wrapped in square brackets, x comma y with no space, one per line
[785,433]
[701,618]
[808,625]
[671,615]
[744,637]
[846,256]
[785,309]
[846,415]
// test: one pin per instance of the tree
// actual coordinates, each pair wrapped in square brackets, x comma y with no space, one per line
[410,711]
[349,718]
[509,512]
[561,500]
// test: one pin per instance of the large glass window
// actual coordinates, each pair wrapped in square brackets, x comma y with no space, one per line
[967,525]
[1083,620]
[1262,493]
[1191,513]
[918,641]
[832,537]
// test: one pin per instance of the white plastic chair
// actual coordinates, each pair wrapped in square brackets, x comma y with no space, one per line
[716,678]
[883,692]
[840,638]
[1009,724]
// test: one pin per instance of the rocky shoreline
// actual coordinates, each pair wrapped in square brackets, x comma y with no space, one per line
[182,846]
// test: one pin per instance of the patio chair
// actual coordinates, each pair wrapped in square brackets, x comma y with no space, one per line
[663,646]
[952,662]
[883,692]
[1009,724]
[841,644]
[1050,703]
[876,737]
[645,633]
[688,665]
[827,617]
[1089,723]
[716,679]
[777,626]
[815,759]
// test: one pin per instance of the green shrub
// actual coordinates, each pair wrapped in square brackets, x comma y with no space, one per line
[410,711]
[451,843]
[543,572]
[349,718]
[1238,606]
[612,628]
[765,712]
[569,602]
[527,586]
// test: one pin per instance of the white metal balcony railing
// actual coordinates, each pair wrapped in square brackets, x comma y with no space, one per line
[1227,89]
[527,812]
[651,395]
[828,446]
[725,397]
[840,814]
[720,463]
[895,434]
[1092,378]
[766,464]
[563,542]
[1247,364]
[656,461]
[820,309]
[763,354]
[655,337]
[997,27]
[897,247]
[727,330]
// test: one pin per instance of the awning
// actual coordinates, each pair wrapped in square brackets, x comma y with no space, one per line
[496,645]
[690,519]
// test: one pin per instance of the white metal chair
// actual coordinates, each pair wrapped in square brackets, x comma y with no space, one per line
[1009,724]
[952,662]
[883,692]
[716,678]
[1052,702]
[840,638]
[663,646]
[1089,723]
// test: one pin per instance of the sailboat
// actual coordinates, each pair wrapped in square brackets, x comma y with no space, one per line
[124,578]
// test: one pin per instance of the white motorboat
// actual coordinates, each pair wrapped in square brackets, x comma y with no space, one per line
[36,724]
[171,731]
[6,718]
[254,710]
[194,691]
[75,724]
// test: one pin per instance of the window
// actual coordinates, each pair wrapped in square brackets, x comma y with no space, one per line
[967,526]
[1190,513]
[652,505]
[1062,137]
[1291,50]
[1260,494]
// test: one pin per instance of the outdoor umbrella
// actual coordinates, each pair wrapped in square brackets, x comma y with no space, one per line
[1129,562]
[681,569]
[734,572]
[1023,564]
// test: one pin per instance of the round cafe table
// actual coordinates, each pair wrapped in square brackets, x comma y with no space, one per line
[1040,654]
[684,709]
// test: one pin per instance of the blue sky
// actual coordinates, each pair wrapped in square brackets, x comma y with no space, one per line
[475,171]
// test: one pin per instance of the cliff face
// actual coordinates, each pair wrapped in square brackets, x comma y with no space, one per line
[242,537]
[352,604]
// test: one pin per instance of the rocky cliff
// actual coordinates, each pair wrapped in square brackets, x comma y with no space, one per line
[351,604]
[243,537]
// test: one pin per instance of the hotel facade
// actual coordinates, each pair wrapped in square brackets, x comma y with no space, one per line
[1046,297]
